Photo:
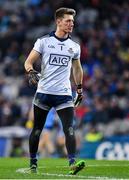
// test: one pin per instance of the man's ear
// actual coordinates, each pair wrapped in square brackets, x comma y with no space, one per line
[58,21]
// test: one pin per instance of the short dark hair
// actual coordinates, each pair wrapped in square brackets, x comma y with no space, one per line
[62,11]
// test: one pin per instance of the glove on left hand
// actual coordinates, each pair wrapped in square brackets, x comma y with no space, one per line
[79,96]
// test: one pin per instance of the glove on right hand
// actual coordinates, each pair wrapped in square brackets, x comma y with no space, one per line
[34,77]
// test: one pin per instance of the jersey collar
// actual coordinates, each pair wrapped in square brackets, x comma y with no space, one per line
[60,39]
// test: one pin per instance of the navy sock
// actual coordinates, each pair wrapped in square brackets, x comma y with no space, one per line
[33,156]
[71,159]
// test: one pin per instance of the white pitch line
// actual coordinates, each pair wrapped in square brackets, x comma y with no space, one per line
[76,176]
[23,170]
[26,171]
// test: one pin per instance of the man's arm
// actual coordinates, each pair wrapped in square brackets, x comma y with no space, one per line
[32,58]
[77,72]
[32,74]
[78,78]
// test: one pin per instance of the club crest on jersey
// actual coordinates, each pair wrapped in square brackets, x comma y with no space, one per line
[51,46]
[70,50]
[59,60]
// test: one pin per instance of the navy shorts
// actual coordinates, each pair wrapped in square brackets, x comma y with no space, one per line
[47,101]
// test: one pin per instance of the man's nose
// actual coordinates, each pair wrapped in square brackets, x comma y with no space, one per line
[72,24]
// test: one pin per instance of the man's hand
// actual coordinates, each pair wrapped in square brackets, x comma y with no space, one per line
[79,96]
[34,77]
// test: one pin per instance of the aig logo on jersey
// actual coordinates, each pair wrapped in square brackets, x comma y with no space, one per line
[59,60]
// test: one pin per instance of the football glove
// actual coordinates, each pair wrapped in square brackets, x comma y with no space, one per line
[79,96]
[34,77]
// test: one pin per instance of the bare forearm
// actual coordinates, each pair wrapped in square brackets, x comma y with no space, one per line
[32,58]
[78,78]
[78,75]
[28,66]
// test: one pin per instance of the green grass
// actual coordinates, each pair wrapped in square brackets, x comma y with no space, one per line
[58,169]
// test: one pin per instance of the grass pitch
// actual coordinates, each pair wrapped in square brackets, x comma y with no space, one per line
[16,168]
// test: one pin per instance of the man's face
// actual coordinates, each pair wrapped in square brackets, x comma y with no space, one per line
[66,23]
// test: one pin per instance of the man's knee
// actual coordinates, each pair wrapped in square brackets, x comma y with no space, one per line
[69,131]
[37,132]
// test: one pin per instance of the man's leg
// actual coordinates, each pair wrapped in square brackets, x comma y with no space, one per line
[39,121]
[66,115]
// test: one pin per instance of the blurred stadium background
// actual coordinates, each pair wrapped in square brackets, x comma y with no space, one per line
[102,120]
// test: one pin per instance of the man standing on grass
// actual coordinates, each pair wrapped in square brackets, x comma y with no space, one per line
[59,53]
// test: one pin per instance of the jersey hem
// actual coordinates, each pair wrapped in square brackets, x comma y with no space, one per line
[54,93]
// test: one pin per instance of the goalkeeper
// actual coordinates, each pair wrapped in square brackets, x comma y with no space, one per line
[59,54]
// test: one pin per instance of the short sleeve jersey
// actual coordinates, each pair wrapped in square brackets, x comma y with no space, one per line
[57,56]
